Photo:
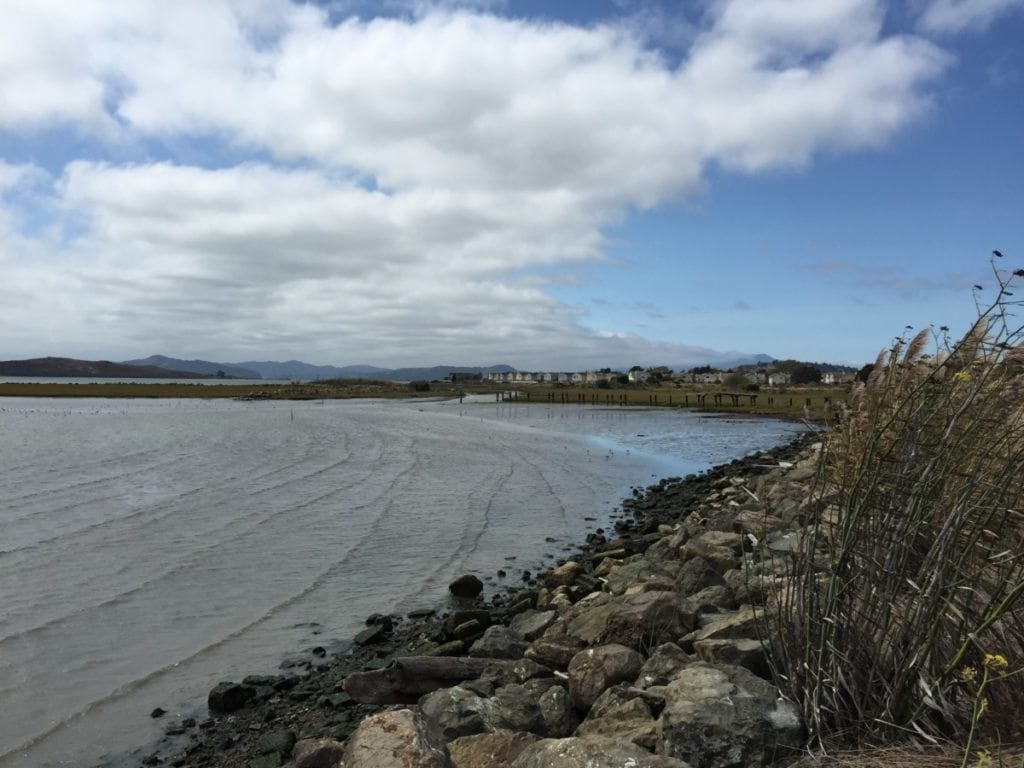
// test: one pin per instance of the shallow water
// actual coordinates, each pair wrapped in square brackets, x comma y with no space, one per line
[151,548]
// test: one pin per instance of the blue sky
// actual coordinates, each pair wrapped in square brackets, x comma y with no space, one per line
[562,185]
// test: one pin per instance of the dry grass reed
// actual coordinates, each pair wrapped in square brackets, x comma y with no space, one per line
[910,578]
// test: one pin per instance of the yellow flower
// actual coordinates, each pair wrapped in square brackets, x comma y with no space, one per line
[969,674]
[996,662]
[984,758]
[962,376]
[984,706]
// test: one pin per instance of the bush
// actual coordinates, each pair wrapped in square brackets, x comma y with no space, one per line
[910,577]
[419,386]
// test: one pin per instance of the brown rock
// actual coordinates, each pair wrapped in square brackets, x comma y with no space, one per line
[595,669]
[489,750]
[392,739]
[318,753]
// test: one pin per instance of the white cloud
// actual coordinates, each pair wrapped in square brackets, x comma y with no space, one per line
[407,178]
[952,16]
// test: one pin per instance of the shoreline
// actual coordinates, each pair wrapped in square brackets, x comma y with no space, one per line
[307,699]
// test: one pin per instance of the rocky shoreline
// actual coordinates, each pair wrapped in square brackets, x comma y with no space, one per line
[639,649]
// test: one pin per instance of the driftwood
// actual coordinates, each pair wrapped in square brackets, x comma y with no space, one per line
[409,677]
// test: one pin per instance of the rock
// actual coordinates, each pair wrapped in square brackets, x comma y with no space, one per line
[590,752]
[531,624]
[392,739]
[720,716]
[467,586]
[593,670]
[279,742]
[626,575]
[499,643]
[453,712]
[456,619]
[744,623]
[228,697]
[515,708]
[557,712]
[564,575]
[489,750]
[697,574]
[318,753]
[636,621]
[629,721]
[272,760]
[662,666]
[370,635]
[743,652]
[158,712]
[555,653]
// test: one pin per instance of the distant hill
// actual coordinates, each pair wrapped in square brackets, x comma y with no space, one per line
[296,370]
[100,369]
[204,367]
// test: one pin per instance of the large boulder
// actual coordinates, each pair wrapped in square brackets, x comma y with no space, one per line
[591,752]
[593,670]
[637,621]
[392,739]
[721,716]
[530,624]
[467,586]
[499,643]
[228,697]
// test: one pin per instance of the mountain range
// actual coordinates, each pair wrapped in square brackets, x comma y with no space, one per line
[161,366]
[296,370]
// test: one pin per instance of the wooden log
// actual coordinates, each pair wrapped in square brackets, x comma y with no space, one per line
[409,677]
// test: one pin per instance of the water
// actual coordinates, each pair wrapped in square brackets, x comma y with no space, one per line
[149,549]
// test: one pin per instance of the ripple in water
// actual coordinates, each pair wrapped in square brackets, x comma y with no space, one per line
[151,548]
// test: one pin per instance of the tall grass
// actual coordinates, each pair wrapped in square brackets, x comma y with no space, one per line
[911,571]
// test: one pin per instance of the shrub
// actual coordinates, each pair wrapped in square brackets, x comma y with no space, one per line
[911,570]
[419,386]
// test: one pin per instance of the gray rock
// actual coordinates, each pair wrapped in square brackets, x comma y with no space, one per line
[499,643]
[595,669]
[228,697]
[449,713]
[662,666]
[467,586]
[590,752]
[280,742]
[318,753]
[721,716]
[645,569]
[531,624]
[556,710]
[392,739]
[745,623]
[514,707]
[697,574]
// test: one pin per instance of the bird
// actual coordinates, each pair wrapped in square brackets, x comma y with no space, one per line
[997,254]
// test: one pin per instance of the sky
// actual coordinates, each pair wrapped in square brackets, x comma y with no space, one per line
[550,185]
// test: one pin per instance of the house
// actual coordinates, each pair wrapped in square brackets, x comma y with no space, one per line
[778,379]
[638,377]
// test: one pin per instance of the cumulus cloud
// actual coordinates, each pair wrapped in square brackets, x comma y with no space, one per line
[959,15]
[405,184]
